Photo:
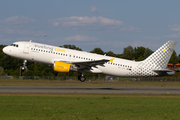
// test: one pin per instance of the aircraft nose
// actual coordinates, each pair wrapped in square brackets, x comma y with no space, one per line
[5,50]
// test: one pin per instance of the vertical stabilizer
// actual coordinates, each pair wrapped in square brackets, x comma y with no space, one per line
[161,57]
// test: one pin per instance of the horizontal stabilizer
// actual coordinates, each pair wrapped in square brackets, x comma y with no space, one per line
[165,71]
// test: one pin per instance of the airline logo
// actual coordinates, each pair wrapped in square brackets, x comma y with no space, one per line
[111,60]
[164,50]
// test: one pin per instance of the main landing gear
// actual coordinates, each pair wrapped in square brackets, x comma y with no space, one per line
[81,77]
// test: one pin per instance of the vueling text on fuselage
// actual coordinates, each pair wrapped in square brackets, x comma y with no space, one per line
[49,48]
[44,47]
[59,50]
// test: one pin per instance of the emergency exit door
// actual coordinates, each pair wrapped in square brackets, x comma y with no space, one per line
[26,48]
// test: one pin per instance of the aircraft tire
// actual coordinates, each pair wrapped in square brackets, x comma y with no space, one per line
[81,78]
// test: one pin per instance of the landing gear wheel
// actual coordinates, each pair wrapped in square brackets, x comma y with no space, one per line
[81,78]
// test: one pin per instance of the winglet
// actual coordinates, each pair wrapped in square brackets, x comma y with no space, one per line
[111,60]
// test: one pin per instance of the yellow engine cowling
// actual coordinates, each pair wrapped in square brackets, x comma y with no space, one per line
[61,67]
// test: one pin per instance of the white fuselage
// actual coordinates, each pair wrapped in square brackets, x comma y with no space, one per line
[49,54]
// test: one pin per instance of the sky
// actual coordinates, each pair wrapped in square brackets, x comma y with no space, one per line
[109,25]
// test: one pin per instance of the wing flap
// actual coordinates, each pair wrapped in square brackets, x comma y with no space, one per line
[91,63]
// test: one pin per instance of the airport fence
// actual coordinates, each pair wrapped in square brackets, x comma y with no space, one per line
[106,78]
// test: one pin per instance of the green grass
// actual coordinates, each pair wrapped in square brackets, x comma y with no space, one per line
[88,107]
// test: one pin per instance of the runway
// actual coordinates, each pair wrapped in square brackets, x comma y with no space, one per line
[90,90]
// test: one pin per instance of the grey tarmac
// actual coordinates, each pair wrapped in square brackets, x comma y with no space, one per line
[89,90]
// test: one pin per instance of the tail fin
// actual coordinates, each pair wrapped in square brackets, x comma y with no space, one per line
[161,57]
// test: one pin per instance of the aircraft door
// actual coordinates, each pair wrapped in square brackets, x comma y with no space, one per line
[26,48]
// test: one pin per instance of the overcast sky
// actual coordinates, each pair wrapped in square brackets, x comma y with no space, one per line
[108,24]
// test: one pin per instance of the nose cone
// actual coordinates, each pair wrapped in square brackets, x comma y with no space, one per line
[8,50]
[5,50]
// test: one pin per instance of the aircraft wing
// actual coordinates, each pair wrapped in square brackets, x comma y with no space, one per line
[86,64]
[92,63]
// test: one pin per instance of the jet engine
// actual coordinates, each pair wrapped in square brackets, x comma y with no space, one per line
[64,67]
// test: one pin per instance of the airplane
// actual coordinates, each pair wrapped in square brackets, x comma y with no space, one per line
[66,60]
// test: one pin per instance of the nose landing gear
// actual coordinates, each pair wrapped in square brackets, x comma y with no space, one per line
[24,67]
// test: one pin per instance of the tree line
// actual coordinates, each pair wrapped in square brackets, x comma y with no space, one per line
[11,66]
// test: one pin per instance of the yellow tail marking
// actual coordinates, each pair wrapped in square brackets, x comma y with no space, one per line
[111,60]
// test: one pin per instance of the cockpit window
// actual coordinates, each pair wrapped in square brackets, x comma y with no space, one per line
[15,45]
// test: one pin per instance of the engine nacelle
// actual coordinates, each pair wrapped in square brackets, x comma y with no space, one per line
[64,67]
